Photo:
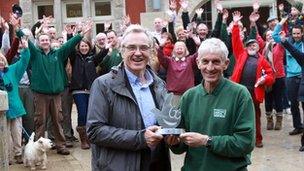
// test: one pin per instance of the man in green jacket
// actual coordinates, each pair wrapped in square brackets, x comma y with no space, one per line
[218,116]
[47,83]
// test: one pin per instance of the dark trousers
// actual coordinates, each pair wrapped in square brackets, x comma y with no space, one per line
[45,105]
[26,96]
[273,98]
[292,85]
[66,103]
[82,101]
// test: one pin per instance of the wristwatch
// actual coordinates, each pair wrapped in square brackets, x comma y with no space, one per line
[209,142]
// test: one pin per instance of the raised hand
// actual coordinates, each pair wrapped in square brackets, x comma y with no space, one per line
[218,6]
[254,16]
[184,5]
[126,20]
[225,15]
[281,7]
[283,20]
[283,36]
[165,23]
[68,28]
[173,5]
[199,12]
[256,6]
[107,25]
[14,21]
[24,42]
[87,27]
[237,16]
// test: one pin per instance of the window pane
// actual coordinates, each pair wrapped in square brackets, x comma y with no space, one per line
[73,10]
[99,28]
[46,10]
[102,8]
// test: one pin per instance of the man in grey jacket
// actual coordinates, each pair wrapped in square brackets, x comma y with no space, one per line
[120,124]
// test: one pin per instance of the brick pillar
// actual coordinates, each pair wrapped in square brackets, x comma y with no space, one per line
[3,132]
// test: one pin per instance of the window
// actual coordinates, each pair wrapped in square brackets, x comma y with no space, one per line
[46,10]
[74,10]
[102,8]
[100,28]
[207,14]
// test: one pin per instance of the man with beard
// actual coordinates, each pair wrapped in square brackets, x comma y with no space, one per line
[120,124]
[251,70]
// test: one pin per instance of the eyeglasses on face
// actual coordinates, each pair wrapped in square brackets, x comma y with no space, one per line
[134,48]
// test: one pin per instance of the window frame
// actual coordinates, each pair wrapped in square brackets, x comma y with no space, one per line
[67,19]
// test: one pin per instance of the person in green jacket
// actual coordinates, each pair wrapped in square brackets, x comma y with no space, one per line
[10,75]
[217,115]
[47,83]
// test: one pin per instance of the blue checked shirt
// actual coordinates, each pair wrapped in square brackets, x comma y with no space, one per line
[143,96]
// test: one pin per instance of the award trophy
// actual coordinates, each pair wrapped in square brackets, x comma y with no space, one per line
[169,117]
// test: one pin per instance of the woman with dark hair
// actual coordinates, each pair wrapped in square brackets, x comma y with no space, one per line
[84,61]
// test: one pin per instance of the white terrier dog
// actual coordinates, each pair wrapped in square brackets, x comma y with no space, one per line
[35,152]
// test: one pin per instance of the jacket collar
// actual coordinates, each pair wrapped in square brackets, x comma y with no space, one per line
[122,86]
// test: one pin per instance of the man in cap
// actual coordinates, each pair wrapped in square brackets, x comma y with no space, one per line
[271,22]
[251,70]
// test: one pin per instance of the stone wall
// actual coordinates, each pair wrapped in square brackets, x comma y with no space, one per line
[3,132]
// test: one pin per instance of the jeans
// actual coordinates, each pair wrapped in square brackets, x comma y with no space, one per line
[273,98]
[82,101]
[292,84]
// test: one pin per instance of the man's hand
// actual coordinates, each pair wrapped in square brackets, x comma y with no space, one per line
[218,6]
[24,42]
[256,6]
[173,5]
[172,140]
[283,20]
[152,139]
[107,25]
[254,16]
[260,81]
[281,7]
[193,139]
[225,15]
[199,12]
[283,36]
[184,5]
[87,27]
[237,16]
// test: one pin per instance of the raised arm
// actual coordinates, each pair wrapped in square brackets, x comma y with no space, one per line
[297,54]
[237,44]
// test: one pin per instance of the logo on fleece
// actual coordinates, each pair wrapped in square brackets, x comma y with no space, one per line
[219,113]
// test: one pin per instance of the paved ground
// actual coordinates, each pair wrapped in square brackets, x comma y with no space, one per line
[280,153]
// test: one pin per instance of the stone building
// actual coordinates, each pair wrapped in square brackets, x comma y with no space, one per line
[140,11]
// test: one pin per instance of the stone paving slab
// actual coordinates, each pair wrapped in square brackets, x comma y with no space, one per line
[280,153]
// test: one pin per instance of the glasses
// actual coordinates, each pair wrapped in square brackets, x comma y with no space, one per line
[134,48]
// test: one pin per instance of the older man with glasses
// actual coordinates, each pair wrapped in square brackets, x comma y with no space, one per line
[120,124]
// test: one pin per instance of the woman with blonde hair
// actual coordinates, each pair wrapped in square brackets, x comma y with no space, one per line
[180,68]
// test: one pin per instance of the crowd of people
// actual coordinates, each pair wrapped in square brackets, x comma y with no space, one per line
[220,79]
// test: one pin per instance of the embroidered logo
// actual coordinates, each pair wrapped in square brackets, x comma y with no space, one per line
[219,113]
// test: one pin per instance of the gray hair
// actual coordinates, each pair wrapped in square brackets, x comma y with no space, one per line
[136,28]
[215,46]
[100,35]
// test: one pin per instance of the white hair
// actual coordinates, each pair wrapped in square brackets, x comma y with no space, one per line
[214,46]
[100,35]
[136,28]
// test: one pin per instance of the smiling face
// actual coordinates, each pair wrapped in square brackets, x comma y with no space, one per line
[212,66]
[252,48]
[179,49]
[84,48]
[44,42]
[135,52]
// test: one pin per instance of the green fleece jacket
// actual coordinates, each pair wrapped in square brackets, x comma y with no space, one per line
[226,115]
[48,70]
[12,76]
